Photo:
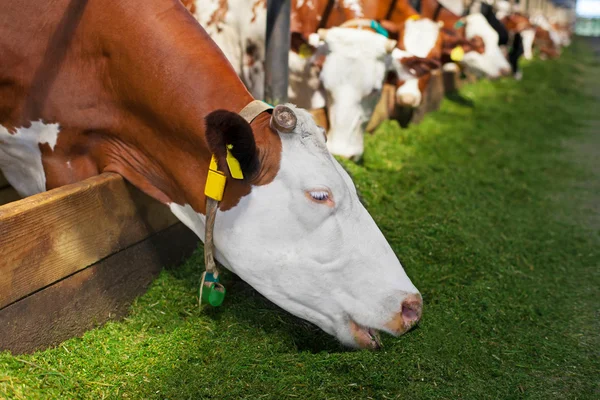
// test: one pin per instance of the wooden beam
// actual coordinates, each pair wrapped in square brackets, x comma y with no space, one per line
[277,51]
[54,234]
[93,296]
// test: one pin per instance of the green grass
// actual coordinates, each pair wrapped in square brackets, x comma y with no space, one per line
[472,201]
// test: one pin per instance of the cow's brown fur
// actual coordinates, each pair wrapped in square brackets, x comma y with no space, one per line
[130,87]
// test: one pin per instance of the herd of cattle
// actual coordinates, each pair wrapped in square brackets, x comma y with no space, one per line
[344,51]
[141,89]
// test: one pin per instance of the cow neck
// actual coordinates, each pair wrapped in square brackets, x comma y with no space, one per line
[175,143]
[140,112]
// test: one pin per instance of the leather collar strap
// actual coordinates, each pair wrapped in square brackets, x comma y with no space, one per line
[254,109]
[211,291]
[366,23]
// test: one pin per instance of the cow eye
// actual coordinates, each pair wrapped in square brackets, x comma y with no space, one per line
[321,196]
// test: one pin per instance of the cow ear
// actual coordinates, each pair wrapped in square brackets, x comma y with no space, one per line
[228,130]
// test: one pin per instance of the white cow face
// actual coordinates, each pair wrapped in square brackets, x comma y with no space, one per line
[420,36]
[306,242]
[528,35]
[352,76]
[492,62]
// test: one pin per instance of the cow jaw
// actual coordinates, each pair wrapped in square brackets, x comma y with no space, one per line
[420,36]
[352,75]
[319,256]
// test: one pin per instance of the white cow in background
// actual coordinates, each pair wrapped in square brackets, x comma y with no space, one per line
[239,29]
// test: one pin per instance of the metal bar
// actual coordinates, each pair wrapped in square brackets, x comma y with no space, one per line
[277,50]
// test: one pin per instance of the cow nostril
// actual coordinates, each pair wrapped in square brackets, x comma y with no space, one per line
[412,307]
[409,315]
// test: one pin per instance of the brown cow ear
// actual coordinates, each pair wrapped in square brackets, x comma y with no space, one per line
[226,129]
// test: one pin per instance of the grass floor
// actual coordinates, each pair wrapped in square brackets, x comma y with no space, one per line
[485,207]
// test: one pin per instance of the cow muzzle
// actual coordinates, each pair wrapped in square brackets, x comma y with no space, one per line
[409,315]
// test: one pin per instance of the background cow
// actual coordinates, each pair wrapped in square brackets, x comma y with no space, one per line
[491,62]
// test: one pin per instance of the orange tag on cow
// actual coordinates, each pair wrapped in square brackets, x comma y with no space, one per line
[414,17]
[457,54]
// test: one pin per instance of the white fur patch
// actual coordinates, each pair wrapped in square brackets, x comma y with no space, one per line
[21,158]
[355,6]
[409,94]
[243,26]
[454,6]
[528,36]
[492,62]
[420,36]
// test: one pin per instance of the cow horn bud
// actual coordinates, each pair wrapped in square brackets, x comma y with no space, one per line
[322,33]
[441,24]
[390,45]
[283,119]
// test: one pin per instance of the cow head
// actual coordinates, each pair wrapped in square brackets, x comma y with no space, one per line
[420,37]
[352,75]
[304,240]
[492,62]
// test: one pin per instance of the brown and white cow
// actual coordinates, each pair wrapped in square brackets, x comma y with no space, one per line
[109,86]
[351,58]
[492,63]
[418,36]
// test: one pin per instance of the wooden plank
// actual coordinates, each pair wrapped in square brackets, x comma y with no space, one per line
[452,81]
[385,107]
[8,195]
[3,181]
[93,296]
[432,98]
[49,236]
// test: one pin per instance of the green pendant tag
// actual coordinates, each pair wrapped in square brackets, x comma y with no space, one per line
[213,294]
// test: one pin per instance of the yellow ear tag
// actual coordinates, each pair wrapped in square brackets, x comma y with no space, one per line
[414,17]
[215,181]
[457,54]
[305,51]
[234,164]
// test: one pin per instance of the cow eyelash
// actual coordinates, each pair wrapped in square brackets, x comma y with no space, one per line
[319,195]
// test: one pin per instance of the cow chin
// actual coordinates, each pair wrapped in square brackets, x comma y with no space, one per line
[480,65]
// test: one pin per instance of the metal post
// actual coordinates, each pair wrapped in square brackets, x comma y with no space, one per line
[277,49]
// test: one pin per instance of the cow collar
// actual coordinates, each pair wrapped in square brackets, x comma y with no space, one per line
[361,23]
[211,290]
